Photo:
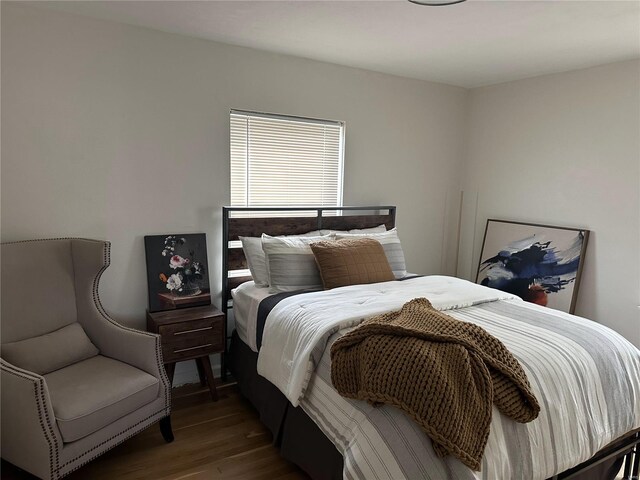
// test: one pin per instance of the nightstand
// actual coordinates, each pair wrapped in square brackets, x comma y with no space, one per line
[190,334]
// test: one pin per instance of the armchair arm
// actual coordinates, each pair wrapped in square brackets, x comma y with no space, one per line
[30,435]
[135,347]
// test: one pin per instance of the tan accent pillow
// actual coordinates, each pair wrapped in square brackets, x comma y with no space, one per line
[351,262]
[51,351]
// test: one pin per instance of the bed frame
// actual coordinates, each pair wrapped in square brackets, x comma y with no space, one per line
[290,426]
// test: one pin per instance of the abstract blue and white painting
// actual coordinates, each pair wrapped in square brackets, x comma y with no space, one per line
[539,263]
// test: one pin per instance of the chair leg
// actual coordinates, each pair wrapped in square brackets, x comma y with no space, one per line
[165,429]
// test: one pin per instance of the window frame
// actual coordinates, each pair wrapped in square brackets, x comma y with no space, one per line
[294,118]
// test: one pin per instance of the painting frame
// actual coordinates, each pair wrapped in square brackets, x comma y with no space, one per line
[177,271]
[541,232]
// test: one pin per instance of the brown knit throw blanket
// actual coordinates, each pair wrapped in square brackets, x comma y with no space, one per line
[443,372]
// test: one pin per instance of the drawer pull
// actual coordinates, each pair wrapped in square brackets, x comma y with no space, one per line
[194,330]
[192,348]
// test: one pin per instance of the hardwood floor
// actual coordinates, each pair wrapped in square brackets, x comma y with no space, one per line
[221,440]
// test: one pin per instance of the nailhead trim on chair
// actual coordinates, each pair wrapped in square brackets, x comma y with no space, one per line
[46,433]
[40,399]
[38,391]
[163,411]
[53,452]
[51,239]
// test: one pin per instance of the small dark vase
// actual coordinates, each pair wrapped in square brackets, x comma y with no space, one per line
[190,288]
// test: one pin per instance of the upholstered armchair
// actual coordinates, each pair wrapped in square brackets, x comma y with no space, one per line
[74,382]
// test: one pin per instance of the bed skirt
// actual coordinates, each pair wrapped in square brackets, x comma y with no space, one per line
[294,433]
[299,438]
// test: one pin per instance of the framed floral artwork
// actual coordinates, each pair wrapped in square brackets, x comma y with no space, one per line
[177,271]
[539,263]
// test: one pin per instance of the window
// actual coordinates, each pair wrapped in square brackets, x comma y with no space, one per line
[278,160]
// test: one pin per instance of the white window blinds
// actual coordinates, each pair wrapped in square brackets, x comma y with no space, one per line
[285,161]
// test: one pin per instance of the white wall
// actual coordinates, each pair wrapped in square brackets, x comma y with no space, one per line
[115,132]
[564,149]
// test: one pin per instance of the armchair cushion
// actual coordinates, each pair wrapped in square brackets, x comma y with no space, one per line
[93,393]
[45,353]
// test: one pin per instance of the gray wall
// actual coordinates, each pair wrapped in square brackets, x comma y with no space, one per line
[564,149]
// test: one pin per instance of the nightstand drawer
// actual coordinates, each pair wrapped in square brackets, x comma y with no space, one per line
[191,348]
[198,329]
[181,341]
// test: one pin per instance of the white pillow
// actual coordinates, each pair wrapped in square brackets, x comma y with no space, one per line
[392,248]
[291,263]
[252,247]
[257,262]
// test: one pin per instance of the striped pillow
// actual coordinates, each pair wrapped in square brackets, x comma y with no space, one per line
[256,260]
[392,248]
[291,263]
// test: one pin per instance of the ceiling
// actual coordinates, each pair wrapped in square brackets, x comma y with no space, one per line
[470,44]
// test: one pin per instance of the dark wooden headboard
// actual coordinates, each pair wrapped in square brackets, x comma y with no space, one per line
[252,222]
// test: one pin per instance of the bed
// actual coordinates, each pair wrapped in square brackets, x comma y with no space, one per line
[586,376]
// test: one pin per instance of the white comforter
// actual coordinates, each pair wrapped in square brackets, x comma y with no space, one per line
[301,324]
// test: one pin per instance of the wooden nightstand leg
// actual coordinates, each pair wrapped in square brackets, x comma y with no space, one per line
[206,366]
[170,369]
[201,374]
